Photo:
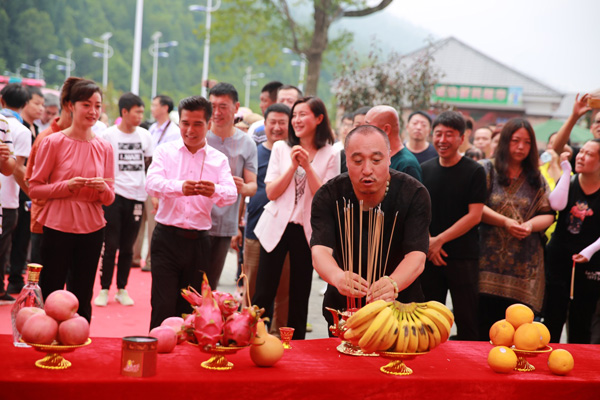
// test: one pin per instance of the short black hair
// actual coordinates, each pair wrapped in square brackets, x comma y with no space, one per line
[361,111]
[224,89]
[272,88]
[129,100]
[288,87]
[34,90]
[474,153]
[451,119]
[469,123]
[196,103]
[278,108]
[347,115]
[15,95]
[165,100]
[422,113]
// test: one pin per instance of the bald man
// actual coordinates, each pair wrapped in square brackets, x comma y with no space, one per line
[386,118]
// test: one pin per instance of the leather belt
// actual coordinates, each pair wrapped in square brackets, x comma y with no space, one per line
[184,233]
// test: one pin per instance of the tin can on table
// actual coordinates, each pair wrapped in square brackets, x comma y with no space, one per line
[138,356]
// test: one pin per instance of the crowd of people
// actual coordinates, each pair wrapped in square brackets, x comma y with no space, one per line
[473,212]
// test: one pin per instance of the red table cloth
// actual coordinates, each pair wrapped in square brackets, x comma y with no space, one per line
[312,369]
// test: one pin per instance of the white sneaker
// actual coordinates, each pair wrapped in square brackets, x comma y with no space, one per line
[102,299]
[123,297]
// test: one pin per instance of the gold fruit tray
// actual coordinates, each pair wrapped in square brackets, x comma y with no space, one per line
[397,366]
[54,359]
[352,350]
[522,364]
[217,361]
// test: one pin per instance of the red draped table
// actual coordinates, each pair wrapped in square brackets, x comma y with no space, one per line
[312,369]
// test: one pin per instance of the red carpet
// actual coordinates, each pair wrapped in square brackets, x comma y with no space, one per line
[114,320]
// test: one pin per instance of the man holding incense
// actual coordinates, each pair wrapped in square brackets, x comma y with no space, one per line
[361,256]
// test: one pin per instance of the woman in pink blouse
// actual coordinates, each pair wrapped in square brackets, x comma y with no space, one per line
[74,172]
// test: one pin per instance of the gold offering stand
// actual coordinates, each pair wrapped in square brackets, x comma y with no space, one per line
[522,364]
[217,361]
[54,359]
[338,329]
[396,366]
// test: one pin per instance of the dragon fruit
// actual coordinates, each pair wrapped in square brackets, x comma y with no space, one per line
[227,304]
[240,327]
[208,322]
[192,296]
[188,327]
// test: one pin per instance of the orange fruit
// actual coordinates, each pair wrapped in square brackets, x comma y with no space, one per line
[527,337]
[502,359]
[544,332]
[560,362]
[501,333]
[519,314]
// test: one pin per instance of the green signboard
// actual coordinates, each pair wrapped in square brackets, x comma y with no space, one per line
[470,94]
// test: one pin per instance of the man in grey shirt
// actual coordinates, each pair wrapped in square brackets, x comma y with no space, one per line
[240,149]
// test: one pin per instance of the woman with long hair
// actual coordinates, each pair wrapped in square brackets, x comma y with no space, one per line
[74,172]
[297,169]
[572,262]
[516,211]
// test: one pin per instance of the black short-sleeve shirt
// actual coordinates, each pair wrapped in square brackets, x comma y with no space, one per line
[452,189]
[407,211]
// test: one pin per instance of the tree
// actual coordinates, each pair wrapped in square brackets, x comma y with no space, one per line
[325,13]
[391,82]
[32,32]
[265,26]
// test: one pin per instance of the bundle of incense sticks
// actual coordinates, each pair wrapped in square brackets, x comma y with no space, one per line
[376,266]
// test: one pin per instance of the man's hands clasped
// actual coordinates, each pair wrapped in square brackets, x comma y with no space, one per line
[194,188]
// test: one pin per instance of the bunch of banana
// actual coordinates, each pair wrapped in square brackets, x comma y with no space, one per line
[398,327]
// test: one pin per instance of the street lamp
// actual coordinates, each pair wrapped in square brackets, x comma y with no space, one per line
[69,65]
[208,9]
[106,54]
[153,49]
[38,72]
[249,82]
[301,63]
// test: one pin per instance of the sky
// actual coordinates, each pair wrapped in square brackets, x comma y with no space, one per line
[556,42]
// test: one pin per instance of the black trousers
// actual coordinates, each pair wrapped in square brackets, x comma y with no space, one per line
[20,241]
[123,219]
[9,223]
[178,260]
[461,277]
[559,308]
[491,309]
[71,258]
[36,248]
[270,266]
[557,293]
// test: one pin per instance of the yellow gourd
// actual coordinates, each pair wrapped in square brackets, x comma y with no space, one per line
[266,349]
